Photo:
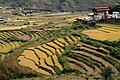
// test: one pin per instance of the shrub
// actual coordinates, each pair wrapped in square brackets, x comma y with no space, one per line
[67,52]
[106,73]
[92,24]
[50,22]
[64,62]
[112,43]
[27,23]
[118,67]
[43,37]
[13,24]
[70,70]
[51,78]
[35,24]
[18,19]
[73,27]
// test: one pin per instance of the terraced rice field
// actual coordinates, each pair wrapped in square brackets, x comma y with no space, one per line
[90,61]
[6,35]
[12,27]
[44,58]
[6,45]
[106,32]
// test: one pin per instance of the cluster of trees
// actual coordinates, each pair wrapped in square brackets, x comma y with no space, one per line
[114,8]
[82,26]
[107,73]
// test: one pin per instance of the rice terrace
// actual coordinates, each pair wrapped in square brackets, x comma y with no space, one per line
[106,32]
[45,44]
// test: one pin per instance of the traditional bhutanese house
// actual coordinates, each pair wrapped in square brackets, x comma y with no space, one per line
[100,12]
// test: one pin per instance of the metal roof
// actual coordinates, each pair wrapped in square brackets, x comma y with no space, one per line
[98,9]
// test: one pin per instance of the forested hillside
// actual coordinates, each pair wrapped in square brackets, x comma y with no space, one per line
[59,5]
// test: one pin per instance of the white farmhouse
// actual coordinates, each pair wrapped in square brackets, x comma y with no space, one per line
[116,15]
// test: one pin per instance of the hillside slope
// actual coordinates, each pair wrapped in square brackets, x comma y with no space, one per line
[59,5]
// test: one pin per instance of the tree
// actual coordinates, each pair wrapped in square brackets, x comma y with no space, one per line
[92,24]
[114,8]
[106,73]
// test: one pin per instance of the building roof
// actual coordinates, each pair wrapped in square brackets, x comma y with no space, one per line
[90,14]
[98,9]
[116,12]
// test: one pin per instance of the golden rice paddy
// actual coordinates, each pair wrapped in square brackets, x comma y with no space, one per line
[69,40]
[59,43]
[42,63]
[106,32]
[62,40]
[6,47]
[48,47]
[53,44]
[45,52]
[12,27]
[48,60]
[74,38]
[30,54]
[41,54]
[57,62]
[31,64]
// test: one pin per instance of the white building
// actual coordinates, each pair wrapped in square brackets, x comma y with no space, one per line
[100,12]
[116,15]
